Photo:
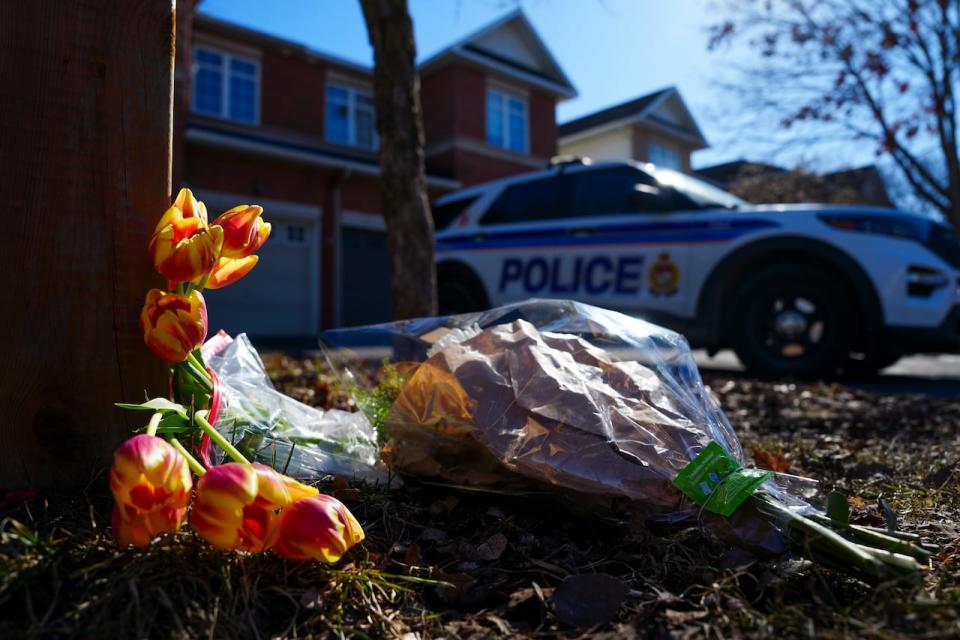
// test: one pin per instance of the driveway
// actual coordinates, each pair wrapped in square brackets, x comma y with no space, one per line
[934,375]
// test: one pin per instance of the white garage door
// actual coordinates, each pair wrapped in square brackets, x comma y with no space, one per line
[279,297]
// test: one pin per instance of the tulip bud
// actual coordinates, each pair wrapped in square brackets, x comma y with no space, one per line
[244,231]
[236,505]
[229,270]
[173,325]
[190,206]
[320,527]
[151,484]
[183,247]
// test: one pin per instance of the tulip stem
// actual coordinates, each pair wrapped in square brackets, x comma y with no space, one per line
[195,466]
[201,419]
[200,368]
[154,423]
[203,283]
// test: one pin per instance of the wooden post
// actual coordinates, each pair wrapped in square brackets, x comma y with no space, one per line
[85,141]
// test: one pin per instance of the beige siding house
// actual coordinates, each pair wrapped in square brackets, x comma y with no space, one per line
[655,128]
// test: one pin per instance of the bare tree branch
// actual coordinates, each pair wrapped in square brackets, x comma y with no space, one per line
[881,70]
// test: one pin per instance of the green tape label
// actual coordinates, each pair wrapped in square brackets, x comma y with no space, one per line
[717,482]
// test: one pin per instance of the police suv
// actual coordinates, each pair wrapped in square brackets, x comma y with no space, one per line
[795,290]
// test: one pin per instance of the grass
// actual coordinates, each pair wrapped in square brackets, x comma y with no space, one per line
[442,563]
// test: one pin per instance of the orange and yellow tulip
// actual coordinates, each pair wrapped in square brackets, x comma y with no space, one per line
[236,505]
[319,527]
[190,206]
[183,247]
[244,231]
[173,325]
[151,484]
[229,270]
[138,532]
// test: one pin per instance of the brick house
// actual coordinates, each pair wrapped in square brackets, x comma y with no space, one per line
[261,119]
[656,128]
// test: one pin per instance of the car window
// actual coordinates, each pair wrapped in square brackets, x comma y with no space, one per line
[699,193]
[622,190]
[531,201]
[444,214]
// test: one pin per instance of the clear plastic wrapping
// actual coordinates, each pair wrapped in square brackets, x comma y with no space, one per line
[275,429]
[547,393]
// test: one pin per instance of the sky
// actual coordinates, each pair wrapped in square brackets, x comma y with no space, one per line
[612,51]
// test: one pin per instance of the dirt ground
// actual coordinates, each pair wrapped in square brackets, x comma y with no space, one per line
[438,562]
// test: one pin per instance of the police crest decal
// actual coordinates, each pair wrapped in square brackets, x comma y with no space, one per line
[664,276]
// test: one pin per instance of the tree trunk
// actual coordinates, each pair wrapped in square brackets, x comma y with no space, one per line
[406,209]
[86,88]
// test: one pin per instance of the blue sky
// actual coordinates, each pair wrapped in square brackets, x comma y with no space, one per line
[612,50]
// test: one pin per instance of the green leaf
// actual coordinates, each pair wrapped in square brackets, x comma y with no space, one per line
[174,423]
[377,403]
[889,515]
[157,404]
[837,509]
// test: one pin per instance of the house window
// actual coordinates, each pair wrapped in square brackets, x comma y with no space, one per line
[350,117]
[664,157]
[296,234]
[506,121]
[225,85]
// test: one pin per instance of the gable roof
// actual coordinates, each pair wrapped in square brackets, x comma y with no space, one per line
[512,47]
[663,109]
[509,45]
[206,24]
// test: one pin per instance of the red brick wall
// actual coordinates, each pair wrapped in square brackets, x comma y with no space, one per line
[256,176]
[470,102]
[442,164]
[543,124]
[292,93]
[476,168]
[361,193]
[435,98]
[454,103]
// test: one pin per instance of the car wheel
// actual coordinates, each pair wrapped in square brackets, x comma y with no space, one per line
[870,363]
[454,297]
[792,321]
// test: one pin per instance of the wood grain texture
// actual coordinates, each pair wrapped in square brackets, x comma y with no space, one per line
[85,145]
[403,187]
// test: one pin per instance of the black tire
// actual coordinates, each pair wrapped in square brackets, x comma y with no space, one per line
[870,364]
[459,290]
[792,321]
[456,297]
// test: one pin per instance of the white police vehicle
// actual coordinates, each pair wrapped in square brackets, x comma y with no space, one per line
[795,290]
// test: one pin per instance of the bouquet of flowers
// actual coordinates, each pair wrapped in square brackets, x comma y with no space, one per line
[596,406]
[275,429]
[237,505]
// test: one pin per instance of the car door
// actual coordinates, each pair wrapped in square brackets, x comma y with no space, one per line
[630,237]
[522,240]
[609,236]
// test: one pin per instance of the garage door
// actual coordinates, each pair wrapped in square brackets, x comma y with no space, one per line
[365,277]
[279,297]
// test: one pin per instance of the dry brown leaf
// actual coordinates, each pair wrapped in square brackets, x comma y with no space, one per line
[772,461]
